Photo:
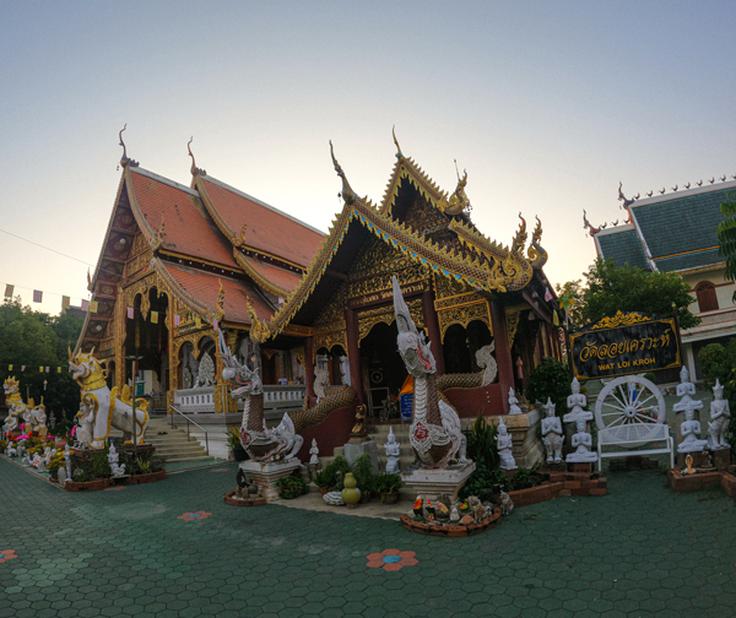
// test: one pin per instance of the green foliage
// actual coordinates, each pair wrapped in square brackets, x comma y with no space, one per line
[291,487]
[236,446]
[727,238]
[526,477]
[570,295]
[387,483]
[549,379]
[36,340]
[99,468]
[610,288]
[481,440]
[364,475]
[482,482]
[716,362]
[331,475]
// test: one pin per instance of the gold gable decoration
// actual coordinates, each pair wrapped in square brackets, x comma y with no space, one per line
[368,318]
[620,319]
[462,309]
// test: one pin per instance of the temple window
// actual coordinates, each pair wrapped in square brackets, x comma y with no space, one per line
[460,345]
[706,295]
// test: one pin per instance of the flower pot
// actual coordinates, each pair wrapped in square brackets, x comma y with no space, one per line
[389,497]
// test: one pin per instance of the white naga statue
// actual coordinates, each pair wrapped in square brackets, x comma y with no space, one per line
[485,360]
[720,415]
[690,427]
[513,402]
[392,447]
[262,444]
[552,434]
[345,370]
[581,440]
[116,469]
[109,408]
[435,433]
[504,445]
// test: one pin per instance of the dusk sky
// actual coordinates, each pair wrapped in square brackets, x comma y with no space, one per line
[548,105]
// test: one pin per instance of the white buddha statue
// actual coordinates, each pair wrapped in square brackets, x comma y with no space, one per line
[513,402]
[582,442]
[552,434]
[720,415]
[576,403]
[690,430]
[392,448]
[504,445]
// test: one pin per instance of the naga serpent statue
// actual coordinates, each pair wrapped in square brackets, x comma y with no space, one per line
[435,433]
[108,408]
[262,444]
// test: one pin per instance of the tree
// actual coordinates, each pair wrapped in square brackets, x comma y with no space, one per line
[610,288]
[570,295]
[727,239]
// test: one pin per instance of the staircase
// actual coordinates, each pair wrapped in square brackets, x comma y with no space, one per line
[379,434]
[172,444]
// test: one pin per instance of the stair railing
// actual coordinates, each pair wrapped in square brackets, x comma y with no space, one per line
[190,422]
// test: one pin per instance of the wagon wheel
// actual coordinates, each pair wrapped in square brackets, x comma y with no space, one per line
[629,400]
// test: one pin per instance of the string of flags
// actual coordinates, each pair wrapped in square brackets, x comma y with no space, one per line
[41,368]
[90,306]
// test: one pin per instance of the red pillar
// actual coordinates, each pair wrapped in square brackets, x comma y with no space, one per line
[503,351]
[351,326]
[433,330]
[309,370]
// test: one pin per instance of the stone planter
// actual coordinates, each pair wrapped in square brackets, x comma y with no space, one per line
[538,493]
[692,482]
[448,529]
[95,485]
[149,477]
[233,500]
[728,483]
[390,498]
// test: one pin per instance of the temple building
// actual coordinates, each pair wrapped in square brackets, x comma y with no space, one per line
[677,232]
[178,259]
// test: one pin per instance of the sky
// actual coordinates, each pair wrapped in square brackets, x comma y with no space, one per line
[547,104]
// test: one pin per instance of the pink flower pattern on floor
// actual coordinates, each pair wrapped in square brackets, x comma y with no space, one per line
[194,515]
[391,559]
[7,554]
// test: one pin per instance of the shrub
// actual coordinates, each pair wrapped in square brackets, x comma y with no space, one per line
[291,487]
[549,379]
[364,475]
[714,363]
[481,440]
[387,483]
[482,482]
[332,474]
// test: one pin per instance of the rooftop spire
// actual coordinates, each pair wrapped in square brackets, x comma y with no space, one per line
[399,154]
[347,192]
[459,202]
[125,161]
[196,171]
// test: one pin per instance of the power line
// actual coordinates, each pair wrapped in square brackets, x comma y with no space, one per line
[38,244]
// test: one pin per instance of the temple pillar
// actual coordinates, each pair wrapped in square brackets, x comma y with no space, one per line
[503,351]
[309,371]
[351,326]
[433,330]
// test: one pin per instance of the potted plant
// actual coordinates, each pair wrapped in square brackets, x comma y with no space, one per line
[291,487]
[387,487]
[331,475]
[236,448]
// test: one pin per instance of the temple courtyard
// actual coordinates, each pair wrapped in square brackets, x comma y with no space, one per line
[175,549]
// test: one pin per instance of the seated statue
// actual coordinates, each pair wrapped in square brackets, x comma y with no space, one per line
[720,415]
[393,452]
[513,402]
[503,445]
[690,430]
[552,434]
[582,442]
[576,403]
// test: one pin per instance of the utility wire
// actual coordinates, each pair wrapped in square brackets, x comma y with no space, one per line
[38,244]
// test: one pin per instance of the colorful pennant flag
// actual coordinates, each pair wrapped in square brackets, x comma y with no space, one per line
[9,290]
[48,369]
[58,370]
[85,305]
[93,306]
[548,296]
[130,313]
[40,369]
[37,296]
[65,302]
[215,324]
[22,368]
[10,367]
[555,318]
[177,319]
[154,316]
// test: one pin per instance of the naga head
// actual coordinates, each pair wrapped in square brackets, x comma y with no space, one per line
[11,386]
[85,369]
[413,346]
[244,377]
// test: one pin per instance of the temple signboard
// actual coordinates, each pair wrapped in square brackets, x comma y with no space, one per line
[625,344]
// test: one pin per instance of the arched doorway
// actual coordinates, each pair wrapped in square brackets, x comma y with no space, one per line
[383,371]
[461,344]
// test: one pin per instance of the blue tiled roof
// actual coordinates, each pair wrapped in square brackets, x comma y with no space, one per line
[689,260]
[622,248]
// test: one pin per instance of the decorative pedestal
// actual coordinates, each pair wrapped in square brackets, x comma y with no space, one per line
[435,482]
[265,475]
[354,449]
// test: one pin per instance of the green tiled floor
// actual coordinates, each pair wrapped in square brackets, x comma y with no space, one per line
[639,551]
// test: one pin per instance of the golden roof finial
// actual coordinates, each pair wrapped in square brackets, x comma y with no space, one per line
[195,171]
[347,192]
[259,331]
[399,154]
[125,160]
[458,202]
[517,246]
[220,302]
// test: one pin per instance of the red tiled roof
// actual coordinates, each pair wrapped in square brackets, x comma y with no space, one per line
[268,230]
[188,229]
[287,280]
[203,287]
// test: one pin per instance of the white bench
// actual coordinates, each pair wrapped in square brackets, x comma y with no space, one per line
[629,436]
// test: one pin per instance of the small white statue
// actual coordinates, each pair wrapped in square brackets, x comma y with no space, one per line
[513,402]
[345,370]
[10,450]
[720,415]
[393,452]
[576,403]
[582,442]
[454,514]
[321,376]
[68,462]
[503,445]
[552,434]
[314,453]
[36,461]
[116,469]
[685,388]
[48,453]
[85,423]
[690,427]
